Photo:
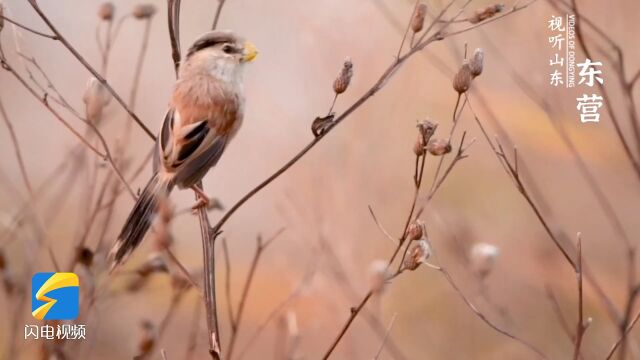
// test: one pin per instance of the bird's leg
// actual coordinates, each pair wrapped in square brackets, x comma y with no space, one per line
[203,199]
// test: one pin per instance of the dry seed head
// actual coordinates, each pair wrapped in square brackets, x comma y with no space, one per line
[341,83]
[476,63]
[438,147]
[321,124]
[417,23]
[106,11]
[483,258]
[415,230]
[485,13]
[418,254]
[143,11]
[96,97]
[380,275]
[426,129]
[462,80]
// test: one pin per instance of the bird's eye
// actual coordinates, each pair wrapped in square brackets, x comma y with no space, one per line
[228,49]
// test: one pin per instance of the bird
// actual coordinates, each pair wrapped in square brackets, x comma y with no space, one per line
[205,112]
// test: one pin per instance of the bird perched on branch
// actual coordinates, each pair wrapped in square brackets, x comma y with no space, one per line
[205,113]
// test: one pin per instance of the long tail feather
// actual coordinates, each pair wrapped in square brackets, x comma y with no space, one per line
[140,219]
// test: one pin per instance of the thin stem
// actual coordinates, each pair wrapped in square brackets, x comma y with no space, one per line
[216,17]
[16,149]
[52,37]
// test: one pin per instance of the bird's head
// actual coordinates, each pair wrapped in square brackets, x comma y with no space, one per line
[221,51]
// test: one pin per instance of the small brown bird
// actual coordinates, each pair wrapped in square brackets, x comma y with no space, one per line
[205,113]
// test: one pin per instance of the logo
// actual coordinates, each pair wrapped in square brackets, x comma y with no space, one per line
[55,296]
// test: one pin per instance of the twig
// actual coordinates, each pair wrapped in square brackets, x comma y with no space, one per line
[84,62]
[52,37]
[624,335]
[235,324]
[216,17]
[16,149]
[386,335]
[582,326]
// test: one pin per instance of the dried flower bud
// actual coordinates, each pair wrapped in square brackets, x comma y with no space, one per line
[462,80]
[476,63]
[485,13]
[380,275]
[418,147]
[85,256]
[143,11]
[438,147]
[426,129]
[341,83]
[321,124]
[96,97]
[417,23]
[418,254]
[483,258]
[147,338]
[106,11]
[415,230]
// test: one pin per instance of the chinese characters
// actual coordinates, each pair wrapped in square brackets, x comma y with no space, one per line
[60,332]
[563,65]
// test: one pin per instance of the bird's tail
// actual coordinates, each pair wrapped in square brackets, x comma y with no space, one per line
[140,218]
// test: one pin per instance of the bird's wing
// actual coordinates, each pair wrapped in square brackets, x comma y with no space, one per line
[189,151]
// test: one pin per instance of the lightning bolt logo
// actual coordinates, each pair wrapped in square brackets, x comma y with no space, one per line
[55,296]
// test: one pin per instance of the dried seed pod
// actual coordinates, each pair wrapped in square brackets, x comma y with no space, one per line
[418,254]
[462,80]
[426,129]
[341,83]
[415,230]
[476,63]
[485,13]
[417,22]
[106,11]
[143,11]
[419,148]
[96,97]
[438,147]
[321,124]
[380,276]
[85,256]
[483,258]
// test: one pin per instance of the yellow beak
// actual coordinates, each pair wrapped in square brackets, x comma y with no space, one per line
[250,52]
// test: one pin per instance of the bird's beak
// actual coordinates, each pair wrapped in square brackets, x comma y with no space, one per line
[250,52]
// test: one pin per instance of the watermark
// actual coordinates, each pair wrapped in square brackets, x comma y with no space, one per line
[55,296]
[563,67]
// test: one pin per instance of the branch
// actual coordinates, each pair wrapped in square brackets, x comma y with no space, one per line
[84,62]
[52,37]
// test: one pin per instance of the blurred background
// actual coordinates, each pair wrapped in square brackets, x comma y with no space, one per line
[319,266]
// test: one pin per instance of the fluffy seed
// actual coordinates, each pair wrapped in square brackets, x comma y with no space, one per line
[417,23]
[96,97]
[438,147]
[418,254]
[483,258]
[462,80]
[143,11]
[476,63]
[341,83]
[485,13]
[106,11]
[380,275]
